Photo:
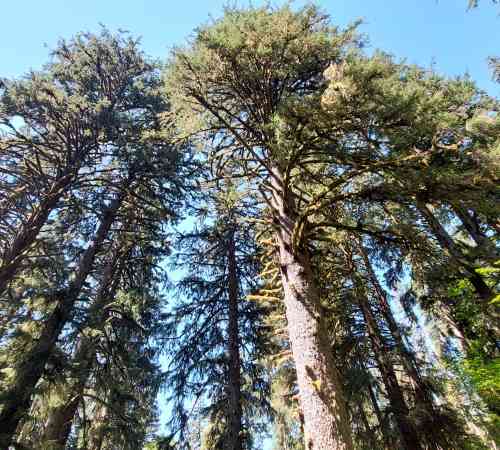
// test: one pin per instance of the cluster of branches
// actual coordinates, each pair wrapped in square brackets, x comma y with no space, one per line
[370,175]
[89,182]
[328,187]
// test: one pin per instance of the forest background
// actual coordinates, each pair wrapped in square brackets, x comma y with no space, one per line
[443,34]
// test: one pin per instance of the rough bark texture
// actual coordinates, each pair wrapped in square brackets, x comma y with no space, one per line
[234,441]
[17,398]
[12,256]
[322,400]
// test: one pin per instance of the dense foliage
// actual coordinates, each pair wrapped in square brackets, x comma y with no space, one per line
[275,236]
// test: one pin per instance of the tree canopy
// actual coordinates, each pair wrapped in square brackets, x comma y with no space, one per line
[274,235]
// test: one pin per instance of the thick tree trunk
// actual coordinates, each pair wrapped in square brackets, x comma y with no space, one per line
[60,422]
[235,441]
[61,418]
[326,423]
[17,397]
[13,255]
[409,435]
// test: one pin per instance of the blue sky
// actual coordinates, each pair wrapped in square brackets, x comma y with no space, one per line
[424,31]
[441,32]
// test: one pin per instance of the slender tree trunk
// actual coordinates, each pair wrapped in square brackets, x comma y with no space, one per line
[423,395]
[409,435]
[17,397]
[326,424]
[388,439]
[369,433]
[376,407]
[480,286]
[472,226]
[469,224]
[13,255]
[235,441]
[61,418]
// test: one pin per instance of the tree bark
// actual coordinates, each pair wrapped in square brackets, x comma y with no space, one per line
[13,255]
[408,432]
[61,418]
[29,371]
[234,441]
[407,357]
[326,424]
[446,241]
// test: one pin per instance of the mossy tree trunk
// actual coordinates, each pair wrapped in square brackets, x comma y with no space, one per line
[326,420]
[17,397]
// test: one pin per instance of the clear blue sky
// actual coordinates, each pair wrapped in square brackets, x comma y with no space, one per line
[424,31]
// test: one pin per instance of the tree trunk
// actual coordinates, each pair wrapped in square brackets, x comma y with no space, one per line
[409,435]
[235,441]
[369,434]
[13,255]
[422,393]
[446,241]
[389,440]
[326,424]
[17,397]
[61,418]
[98,428]
[472,226]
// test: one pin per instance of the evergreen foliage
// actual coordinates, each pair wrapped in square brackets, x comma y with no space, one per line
[274,235]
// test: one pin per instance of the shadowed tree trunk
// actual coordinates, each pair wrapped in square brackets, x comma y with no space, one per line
[234,441]
[98,429]
[472,226]
[13,255]
[446,241]
[389,440]
[17,397]
[61,418]
[423,395]
[368,431]
[409,435]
